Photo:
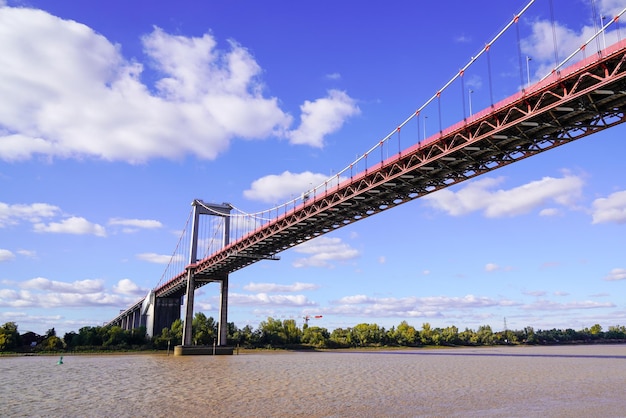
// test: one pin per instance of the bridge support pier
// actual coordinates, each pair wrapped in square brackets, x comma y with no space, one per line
[187,328]
[201,208]
[222,333]
[166,311]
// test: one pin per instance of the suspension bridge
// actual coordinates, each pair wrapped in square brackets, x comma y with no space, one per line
[582,94]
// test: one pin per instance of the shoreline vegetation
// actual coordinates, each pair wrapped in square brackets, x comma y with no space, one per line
[285,335]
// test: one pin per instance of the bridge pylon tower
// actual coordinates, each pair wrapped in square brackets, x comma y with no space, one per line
[201,208]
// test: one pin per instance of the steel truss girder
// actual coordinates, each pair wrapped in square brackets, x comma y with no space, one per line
[587,100]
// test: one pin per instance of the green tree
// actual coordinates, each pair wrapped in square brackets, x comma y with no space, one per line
[405,335]
[9,337]
[291,331]
[204,330]
[450,335]
[233,334]
[426,334]
[510,337]
[596,329]
[272,332]
[365,335]
[115,336]
[467,337]
[437,337]
[485,335]
[90,336]
[137,336]
[52,343]
[315,336]
[615,332]
[341,338]
[177,332]
[70,339]
[169,337]
[529,335]
[163,340]
[246,337]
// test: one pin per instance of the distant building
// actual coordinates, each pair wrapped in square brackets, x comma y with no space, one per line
[31,339]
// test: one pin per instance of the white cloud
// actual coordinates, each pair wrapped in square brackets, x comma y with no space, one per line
[35,212]
[155,258]
[274,188]
[24,299]
[265,299]
[536,293]
[412,306]
[322,251]
[545,305]
[322,117]
[71,83]
[44,293]
[275,288]
[616,274]
[131,226]
[611,8]
[610,209]
[127,287]
[137,223]
[27,253]
[478,196]
[80,286]
[540,45]
[491,267]
[6,255]
[39,321]
[74,225]
[549,212]
[355,299]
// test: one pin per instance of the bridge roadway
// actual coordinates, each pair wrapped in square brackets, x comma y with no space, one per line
[589,97]
[575,102]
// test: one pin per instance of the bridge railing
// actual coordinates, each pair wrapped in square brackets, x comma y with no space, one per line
[414,128]
[386,148]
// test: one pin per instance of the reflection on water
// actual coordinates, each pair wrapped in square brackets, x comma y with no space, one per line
[580,381]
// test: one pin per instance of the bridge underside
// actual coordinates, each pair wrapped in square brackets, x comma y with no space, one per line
[166,311]
[584,99]
[581,100]
[155,315]
[158,312]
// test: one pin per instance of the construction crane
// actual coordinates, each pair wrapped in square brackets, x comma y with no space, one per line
[306,318]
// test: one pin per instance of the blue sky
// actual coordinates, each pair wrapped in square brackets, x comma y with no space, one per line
[116,115]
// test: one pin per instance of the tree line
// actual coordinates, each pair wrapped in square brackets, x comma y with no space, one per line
[276,333]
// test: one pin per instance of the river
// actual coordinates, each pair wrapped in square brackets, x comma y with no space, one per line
[560,381]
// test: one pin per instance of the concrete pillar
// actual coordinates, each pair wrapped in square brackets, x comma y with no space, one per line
[187,330]
[222,332]
[136,315]
[201,208]
[166,311]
